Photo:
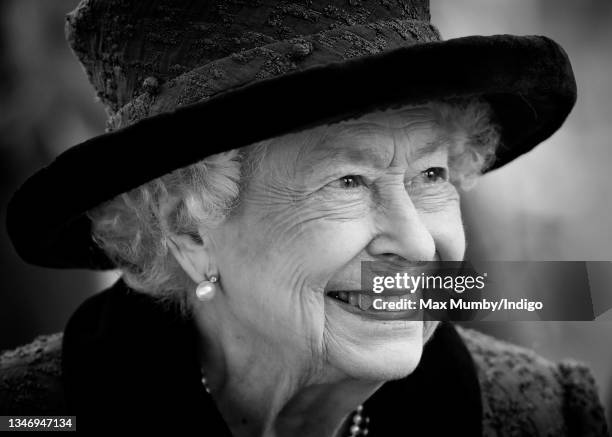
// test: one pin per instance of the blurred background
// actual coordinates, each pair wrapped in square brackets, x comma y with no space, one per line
[553,204]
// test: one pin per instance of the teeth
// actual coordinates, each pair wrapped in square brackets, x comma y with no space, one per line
[393,299]
[365,301]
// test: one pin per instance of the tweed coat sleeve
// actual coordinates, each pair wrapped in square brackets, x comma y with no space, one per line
[524,394]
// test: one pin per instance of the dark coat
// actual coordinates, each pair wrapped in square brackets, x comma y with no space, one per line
[130,364]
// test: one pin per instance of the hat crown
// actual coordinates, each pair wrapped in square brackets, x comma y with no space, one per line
[128,45]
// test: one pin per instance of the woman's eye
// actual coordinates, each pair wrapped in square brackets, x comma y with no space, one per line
[434,175]
[348,182]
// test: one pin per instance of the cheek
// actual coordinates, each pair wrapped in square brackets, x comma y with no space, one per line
[295,248]
[279,266]
[332,245]
[266,281]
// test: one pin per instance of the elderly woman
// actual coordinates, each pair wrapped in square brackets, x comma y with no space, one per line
[249,172]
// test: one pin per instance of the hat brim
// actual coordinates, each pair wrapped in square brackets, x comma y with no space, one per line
[528,80]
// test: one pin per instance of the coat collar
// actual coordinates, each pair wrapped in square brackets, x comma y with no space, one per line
[128,358]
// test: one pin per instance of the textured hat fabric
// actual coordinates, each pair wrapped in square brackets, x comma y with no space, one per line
[183,80]
[183,52]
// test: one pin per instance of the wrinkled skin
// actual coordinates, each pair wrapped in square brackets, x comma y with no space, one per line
[282,358]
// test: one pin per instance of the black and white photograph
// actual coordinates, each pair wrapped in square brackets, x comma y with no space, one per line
[340,218]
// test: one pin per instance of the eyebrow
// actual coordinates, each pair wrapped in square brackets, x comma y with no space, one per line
[334,156]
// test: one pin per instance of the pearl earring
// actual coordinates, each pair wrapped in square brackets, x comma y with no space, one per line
[206,289]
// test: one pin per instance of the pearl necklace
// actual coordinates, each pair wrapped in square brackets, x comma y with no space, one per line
[357,429]
[360,423]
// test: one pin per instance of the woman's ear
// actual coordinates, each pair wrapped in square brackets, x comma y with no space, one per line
[191,255]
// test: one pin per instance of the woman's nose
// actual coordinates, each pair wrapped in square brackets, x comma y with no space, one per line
[402,235]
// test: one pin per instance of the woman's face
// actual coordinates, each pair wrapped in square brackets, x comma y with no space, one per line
[370,189]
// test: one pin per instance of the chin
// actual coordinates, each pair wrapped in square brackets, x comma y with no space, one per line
[384,359]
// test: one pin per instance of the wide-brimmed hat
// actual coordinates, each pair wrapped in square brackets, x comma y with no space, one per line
[183,80]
